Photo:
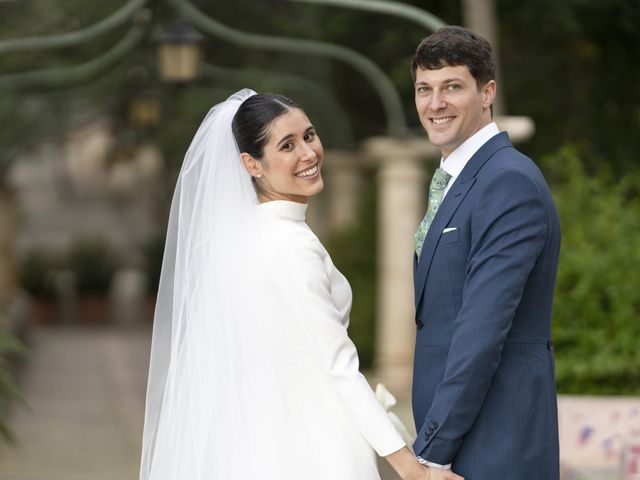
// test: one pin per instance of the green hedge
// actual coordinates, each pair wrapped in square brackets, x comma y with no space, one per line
[94,261]
[36,273]
[354,253]
[597,303]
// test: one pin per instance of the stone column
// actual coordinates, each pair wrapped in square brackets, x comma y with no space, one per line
[127,296]
[519,128]
[343,183]
[402,197]
[480,16]
[317,217]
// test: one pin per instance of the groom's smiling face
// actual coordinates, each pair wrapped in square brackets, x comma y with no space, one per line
[451,106]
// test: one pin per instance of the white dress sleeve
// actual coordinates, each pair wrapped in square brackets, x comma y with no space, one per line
[300,259]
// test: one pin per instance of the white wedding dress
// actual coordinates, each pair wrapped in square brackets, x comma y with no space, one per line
[252,372]
[328,409]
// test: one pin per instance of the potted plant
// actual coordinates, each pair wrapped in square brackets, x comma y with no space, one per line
[36,270]
[93,262]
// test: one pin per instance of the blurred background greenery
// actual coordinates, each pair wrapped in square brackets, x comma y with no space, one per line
[571,65]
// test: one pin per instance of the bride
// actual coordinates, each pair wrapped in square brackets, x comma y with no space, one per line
[252,372]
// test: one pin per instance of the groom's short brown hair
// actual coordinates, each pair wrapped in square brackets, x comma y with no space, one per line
[456,46]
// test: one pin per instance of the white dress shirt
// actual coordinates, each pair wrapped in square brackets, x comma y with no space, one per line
[457,160]
[453,165]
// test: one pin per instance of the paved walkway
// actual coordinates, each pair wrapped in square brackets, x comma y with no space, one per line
[85,390]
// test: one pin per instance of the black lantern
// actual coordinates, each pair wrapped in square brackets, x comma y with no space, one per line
[180,54]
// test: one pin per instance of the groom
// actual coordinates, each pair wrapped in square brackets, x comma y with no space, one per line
[484,398]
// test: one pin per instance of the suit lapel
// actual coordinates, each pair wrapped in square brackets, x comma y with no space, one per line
[449,205]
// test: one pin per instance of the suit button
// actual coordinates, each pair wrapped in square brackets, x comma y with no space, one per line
[550,345]
[419,324]
[434,425]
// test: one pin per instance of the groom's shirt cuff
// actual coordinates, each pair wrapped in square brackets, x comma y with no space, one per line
[434,465]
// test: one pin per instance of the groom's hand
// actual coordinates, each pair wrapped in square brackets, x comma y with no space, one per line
[409,468]
[436,474]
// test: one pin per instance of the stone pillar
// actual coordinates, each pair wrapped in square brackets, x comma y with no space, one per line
[337,207]
[127,296]
[480,16]
[317,217]
[402,184]
[7,250]
[519,128]
[343,182]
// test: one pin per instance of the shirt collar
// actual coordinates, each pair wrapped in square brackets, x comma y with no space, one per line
[457,160]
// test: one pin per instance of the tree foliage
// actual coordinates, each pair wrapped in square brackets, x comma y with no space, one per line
[597,305]
[572,66]
[569,64]
[10,349]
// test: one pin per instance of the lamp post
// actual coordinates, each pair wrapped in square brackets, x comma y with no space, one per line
[180,54]
[144,110]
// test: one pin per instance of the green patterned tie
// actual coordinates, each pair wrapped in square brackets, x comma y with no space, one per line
[436,191]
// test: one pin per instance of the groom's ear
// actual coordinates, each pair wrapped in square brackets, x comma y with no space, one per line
[251,165]
[489,93]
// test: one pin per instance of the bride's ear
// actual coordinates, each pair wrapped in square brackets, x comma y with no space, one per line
[251,165]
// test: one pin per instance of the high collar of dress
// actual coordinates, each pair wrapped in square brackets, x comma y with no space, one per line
[285,208]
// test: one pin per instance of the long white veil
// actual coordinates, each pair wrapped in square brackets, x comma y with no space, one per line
[252,373]
[203,273]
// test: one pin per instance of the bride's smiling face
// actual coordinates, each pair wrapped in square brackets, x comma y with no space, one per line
[290,168]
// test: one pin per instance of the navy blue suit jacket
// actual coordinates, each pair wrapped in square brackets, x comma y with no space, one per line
[484,393]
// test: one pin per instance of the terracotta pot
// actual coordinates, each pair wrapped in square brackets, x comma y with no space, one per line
[92,310]
[43,311]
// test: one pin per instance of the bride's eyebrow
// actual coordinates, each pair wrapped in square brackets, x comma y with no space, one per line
[290,136]
[284,139]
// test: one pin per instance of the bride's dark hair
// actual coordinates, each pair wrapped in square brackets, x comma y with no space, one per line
[251,122]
